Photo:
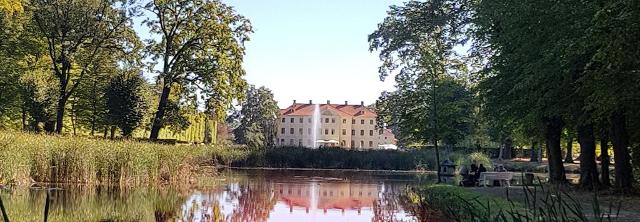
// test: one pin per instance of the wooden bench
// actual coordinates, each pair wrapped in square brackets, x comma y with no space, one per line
[500,176]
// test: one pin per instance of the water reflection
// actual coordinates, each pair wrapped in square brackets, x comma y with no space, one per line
[239,196]
[304,196]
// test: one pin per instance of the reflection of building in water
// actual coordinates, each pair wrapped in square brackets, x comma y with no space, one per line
[327,196]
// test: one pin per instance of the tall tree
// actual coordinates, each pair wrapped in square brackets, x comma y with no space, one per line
[257,119]
[416,40]
[76,31]
[201,44]
[124,100]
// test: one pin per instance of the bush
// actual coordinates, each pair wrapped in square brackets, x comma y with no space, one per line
[335,158]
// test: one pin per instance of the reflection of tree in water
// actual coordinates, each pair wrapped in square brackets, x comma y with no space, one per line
[255,202]
[388,205]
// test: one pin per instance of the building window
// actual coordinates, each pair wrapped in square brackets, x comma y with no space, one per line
[333,131]
[309,120]
[283,120]
[292,120]
[281,141]
[333,120]
[291,132]
[380,131]
[344,121]
[361,121]
[301,120]
[371,122]
[300,142]
[326,131]
[282,131]
[370,132]
[353,143]
[385,137]
[326,120]
[370,143]
[344,132]
[343,143]
[353,132]
[361,143]
[353,121]
[361,132]
[291,142]
[309,131]
[300,131]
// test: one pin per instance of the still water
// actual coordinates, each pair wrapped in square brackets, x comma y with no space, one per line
[234,195]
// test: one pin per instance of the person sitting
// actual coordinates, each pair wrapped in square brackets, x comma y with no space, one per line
[499,168]
[468,179]
[481,170]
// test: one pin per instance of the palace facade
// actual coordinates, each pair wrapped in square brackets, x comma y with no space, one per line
[338,125]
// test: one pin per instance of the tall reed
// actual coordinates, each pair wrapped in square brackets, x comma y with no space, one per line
[27,158]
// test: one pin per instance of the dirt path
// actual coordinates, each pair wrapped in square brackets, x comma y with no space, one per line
[629,208]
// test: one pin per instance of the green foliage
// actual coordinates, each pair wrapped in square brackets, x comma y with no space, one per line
[201,46]
[26,157]
[257,119]
[338,158]
[537,204]
[125,104]
[77,33]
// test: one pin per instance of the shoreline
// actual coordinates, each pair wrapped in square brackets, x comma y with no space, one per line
[324,169]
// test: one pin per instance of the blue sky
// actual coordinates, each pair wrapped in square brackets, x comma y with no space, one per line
[315,50]
[311,49]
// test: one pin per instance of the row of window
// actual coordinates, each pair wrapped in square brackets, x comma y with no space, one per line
[326,131]
[342,143]
[326,120]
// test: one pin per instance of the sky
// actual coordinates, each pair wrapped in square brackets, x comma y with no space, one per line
[314,50]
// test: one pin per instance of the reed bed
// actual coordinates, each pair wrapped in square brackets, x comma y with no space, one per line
[28,158]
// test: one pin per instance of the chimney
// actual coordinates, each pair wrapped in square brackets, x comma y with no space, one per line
[294,101]
[328,102]
[346,102]
[361,103]
[310,102]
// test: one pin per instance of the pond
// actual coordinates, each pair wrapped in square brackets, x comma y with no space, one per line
[234,195]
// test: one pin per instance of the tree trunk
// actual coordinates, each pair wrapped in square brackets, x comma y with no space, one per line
[157,121]
[620,141]
[552,134]
[534,155]
[435,143]
[24,118]
[569,157]
[508,149]
[62,101]
[588,166]
[604,158]
[113,132]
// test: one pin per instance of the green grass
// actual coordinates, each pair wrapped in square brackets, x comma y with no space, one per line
[537,205]
[53,159]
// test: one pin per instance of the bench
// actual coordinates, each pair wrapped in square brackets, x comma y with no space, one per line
[491,176]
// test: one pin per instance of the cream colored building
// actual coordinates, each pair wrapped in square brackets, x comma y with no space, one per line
[343,125]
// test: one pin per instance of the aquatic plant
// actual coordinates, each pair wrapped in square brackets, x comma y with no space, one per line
[28,158]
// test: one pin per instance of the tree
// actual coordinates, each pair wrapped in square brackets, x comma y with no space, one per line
[257,119]
[76,32]
[416,40]
[125,104]
[201,44]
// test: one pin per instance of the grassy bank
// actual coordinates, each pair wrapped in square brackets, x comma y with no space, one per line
[53,159]
[535,204]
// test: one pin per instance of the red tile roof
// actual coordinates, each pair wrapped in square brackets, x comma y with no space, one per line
[303,109]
